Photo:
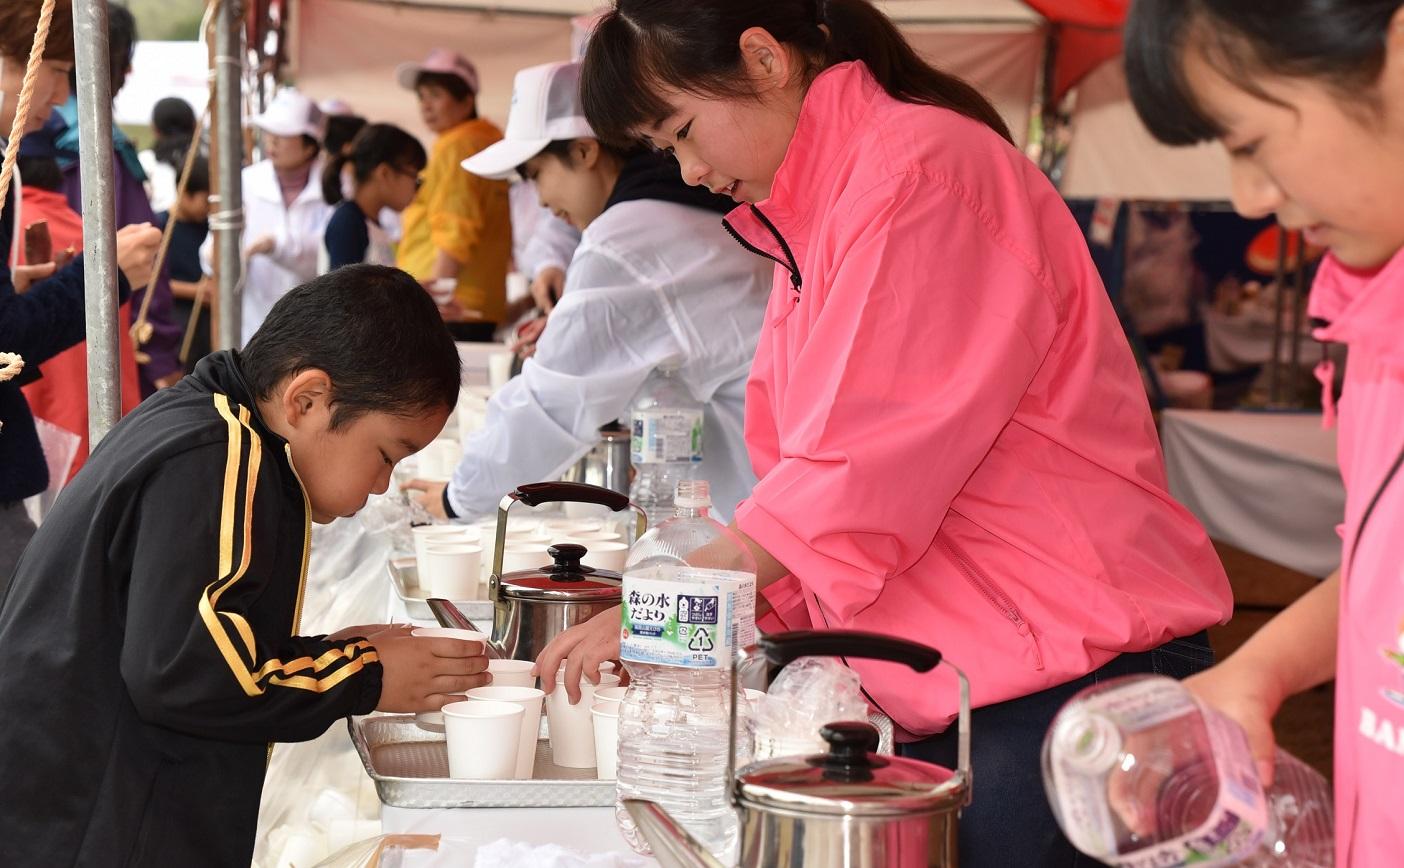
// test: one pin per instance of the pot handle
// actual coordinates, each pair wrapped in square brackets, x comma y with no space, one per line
[782,648]
[779,649]
[537,493]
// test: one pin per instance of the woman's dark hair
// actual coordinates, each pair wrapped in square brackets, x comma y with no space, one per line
[374,331]
[341,131]
[640,45]
[173,118]
[456,87]
[41,172]
[122,39]
[199,175]
[20,18]
[376,145]
[560,149]
[1340,42]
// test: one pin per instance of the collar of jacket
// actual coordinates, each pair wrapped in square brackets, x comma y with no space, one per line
[262,182]
[650,175]
[1360,308]
[219,372]
[836,108]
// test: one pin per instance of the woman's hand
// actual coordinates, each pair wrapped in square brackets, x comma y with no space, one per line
[524,344]
[583,648]
[546,288]
[429,495]
[1243,694]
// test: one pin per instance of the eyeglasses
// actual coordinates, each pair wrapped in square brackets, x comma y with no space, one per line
[409,173]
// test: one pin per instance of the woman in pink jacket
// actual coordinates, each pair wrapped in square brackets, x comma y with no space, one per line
[951,436]
[1308,97]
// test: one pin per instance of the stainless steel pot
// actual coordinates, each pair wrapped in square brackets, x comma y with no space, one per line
[849,806]
[607,464]
[532,607]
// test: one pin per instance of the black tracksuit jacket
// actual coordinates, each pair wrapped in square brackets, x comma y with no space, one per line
[149,654]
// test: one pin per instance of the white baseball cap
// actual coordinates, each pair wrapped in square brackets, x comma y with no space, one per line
[545,109]
[291,114]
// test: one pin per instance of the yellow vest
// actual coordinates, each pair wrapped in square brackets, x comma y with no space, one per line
[465,216]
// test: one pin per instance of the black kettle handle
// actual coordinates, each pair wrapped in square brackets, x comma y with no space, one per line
[537,493]
[781,648]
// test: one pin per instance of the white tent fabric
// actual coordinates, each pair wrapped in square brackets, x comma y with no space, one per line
[349,49]
[1112,153]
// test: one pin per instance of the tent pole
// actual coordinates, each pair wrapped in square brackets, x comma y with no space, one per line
[100,217]
[228,221]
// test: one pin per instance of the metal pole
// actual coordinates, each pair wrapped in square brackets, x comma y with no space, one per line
[227,222]
[99,216]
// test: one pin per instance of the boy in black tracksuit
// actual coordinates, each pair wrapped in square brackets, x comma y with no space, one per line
[149,637]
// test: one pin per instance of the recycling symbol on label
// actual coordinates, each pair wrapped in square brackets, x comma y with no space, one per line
[701,640]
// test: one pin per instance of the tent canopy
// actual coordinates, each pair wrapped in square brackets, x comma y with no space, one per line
[998,45]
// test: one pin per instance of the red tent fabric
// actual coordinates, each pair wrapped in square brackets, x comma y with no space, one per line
[1089,33]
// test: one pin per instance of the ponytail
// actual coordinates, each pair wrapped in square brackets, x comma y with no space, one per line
[331,179]
[375,145]
[859,31]
[641,47]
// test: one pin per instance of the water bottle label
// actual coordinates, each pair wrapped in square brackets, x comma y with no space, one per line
[695,619]
[666,436]
[1233,828]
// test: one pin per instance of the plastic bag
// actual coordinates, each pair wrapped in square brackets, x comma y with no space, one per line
[807,695]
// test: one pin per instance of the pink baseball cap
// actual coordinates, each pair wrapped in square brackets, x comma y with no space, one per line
[441,60]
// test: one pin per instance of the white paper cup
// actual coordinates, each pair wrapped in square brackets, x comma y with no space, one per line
[524,556]
[606,555]
[613,694]
[482,739]
[605,718]
[442,290]
[439,459]
[440,533]
[454,569]
[511,673]
[499,369]
[588,537]
[573,526]
[529,698]
[572,728]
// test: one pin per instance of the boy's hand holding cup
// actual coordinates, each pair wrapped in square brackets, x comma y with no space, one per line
[429,667]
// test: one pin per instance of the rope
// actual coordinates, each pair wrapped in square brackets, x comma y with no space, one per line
[142,330]
[10,366]
[31,72]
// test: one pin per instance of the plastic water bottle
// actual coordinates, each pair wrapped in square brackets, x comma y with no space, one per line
[1141,774]
[689,602]
[665,443]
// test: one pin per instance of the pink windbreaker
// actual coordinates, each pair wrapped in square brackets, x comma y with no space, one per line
[1366,312]
[952,439]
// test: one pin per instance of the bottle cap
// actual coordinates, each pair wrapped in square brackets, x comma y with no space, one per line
[1086,742]
[693,494]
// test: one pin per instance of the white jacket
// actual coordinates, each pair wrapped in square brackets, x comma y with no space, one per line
[651,282]
[297,232]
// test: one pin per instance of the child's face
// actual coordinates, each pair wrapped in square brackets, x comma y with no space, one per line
[50,89]
[340,469]
[400,185]
[576,193]
[439,109]
[1334,171]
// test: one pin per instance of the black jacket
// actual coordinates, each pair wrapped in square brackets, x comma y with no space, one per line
[149,641]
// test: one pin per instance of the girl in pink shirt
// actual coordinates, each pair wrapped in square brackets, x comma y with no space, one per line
[951,436]
[1308,97]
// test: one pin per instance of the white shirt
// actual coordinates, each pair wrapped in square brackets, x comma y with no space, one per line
[651,282]
[540,239]
[297,232]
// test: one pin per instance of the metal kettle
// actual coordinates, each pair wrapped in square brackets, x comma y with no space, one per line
[848,806]
[532,607]
[607,464]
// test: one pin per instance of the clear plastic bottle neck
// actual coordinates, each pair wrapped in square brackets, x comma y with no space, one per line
[693,498]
